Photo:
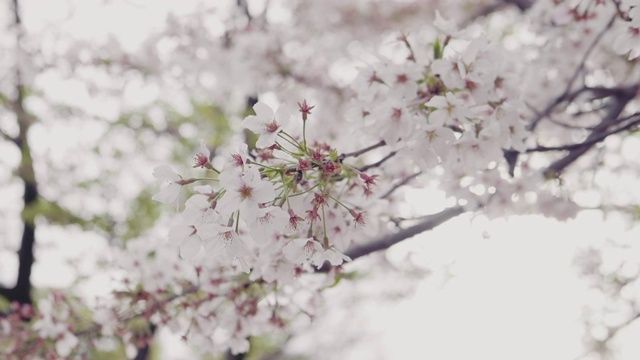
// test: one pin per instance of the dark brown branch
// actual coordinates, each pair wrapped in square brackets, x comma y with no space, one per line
[400,184]
[616,107]
[7,293]
[590,142]
[378,163]
[385,242]
[6,136]
[521,4]
[622,14]
[615,331]
[566,95]
[482,12]
[230,356]
[22,290]
[367,149]
[489,9]
[144,352]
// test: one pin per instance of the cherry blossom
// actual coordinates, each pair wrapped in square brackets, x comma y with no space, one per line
[202,156]
[266,124]
[627,40]
[170,194]
[245,192]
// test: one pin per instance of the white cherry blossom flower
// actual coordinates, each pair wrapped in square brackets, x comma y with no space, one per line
[238,159]
[189,239]
[202,155]
[432,143]
[448,71]
[266,124]
[223,241]
[392,121]
[200,209]
[66,343]
[170,194]
[300,251]
[369,84]
[245,192]
[448,109]
[627,39]
[269,220]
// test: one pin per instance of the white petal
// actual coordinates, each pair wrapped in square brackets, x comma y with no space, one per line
[283,114]
[66,344]
[263,111]
[164,172]
[168,195]
[263,192]
[266,140]
[437,102]
[180,232]
[203,149]
[335,257]
[254,123]
[191,247]
[294,252]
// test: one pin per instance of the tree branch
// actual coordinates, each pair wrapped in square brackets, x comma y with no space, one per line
[400,184]
[593,140]
[386,241]
[566,95]
[378,163]
[7,293]
[482,12]
[521,4]
[6,136]
[22,290]
[368,148]
[144,352]
[620,100]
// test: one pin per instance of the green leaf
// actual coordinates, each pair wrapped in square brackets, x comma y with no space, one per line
[437,50]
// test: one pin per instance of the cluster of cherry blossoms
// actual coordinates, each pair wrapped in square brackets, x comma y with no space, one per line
[273,212]
[50,330]
[289,204]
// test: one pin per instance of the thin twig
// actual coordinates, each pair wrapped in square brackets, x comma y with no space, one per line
[482,12]
[565,94]
[385,242]
[403,182]
[592,141]
[378,163]
[7,137]
[617,106]
[367,149]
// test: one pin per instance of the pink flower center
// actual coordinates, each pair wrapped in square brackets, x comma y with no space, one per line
[272,126]
[396,114]
[266,219]
[309,249]
[227,237]
[245,192]
[201,160]
[237,159]
[360,219]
